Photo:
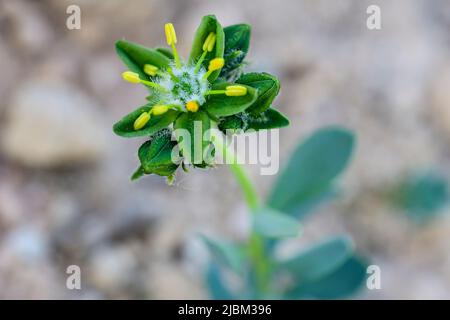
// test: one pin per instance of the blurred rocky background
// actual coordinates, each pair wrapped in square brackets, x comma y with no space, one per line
[65,194]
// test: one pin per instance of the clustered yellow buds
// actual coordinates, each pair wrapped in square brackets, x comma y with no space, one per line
[216,64]
[130,76]
[159,110]
[150,69]
[192,106]
[208,45]
[235,91]
[171,36]
[141,121]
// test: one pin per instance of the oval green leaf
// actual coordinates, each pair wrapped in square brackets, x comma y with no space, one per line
[273,224]
[320,260]
[342,283]
[229,254]
[312,169]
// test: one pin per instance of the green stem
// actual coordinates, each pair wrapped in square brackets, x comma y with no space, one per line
[250,195]
[255,244]
[200,61]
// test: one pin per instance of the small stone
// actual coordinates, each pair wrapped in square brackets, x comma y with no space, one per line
[51,125]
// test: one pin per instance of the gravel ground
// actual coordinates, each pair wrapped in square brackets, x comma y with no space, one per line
[65,194]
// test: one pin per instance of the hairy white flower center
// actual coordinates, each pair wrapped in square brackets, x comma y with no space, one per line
[184,85]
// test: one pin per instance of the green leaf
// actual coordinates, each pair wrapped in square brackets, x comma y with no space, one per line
[125,127]
[422,195]
[138,173]
[135,56]
[342,283]
[167,52]
[193,142]
[273,224]
[156,154]
[216,286]
[320,260]
[208,24]
[237,42]
[220,105]
[269,119]
[312,169]
[228,254]
[268,88]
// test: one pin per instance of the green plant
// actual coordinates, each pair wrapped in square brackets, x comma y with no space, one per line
[211,91]
[327,270]
[422,195]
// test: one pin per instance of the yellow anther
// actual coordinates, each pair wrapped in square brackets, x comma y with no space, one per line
[159,109]
[171,36]
[210,40]
[150,69]
[141,121]
[130,76]
[235,91]
[216,64]
[192,106]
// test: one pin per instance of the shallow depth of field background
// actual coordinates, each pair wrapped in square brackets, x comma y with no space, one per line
[65,193]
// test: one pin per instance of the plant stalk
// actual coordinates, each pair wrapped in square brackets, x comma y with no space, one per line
[255,245]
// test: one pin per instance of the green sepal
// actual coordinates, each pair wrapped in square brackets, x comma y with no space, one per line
[237,42]
[156,154]
[137,174]
[207,25]
[268,88]
[125,127]
[165,51]
[220,105]
[269,119]
[135,56]
[194,146]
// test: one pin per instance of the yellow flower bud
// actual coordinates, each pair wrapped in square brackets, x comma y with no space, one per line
[235,91]
[216,64]
[192,106]
[130,76]
[150,69]
[141,121]
[210,40]
[171,36]
[159,109]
